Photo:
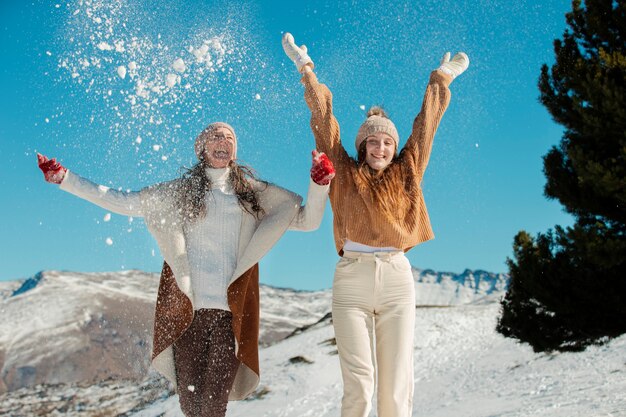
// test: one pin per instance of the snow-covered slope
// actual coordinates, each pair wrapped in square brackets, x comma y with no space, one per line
[63,327]
[68,327]
[284,310]
[462,366]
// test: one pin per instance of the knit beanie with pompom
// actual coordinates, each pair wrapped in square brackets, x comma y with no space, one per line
[377,121]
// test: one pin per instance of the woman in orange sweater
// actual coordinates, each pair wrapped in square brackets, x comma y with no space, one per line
[379,214]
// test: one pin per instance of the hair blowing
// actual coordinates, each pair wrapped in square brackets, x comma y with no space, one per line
[394,189]
[196,184]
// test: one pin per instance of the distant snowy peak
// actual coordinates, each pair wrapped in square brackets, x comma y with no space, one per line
[446,288]
[28,284]
[479,280]
[282,308]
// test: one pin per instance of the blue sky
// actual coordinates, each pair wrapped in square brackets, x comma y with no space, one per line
[62,96]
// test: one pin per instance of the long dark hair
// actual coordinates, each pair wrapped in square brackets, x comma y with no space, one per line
[196,184]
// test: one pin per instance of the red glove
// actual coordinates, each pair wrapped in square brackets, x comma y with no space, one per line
[322,170]
[52,171]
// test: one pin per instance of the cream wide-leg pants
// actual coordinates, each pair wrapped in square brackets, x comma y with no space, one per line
[374,319]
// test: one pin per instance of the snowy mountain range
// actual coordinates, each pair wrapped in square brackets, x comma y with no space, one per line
[78,344]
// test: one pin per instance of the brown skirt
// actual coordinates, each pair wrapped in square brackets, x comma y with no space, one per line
[206,364]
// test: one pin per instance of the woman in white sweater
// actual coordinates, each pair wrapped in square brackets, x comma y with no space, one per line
[212,226]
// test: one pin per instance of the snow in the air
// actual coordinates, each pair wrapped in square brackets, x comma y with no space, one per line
[179,65]
[121,71]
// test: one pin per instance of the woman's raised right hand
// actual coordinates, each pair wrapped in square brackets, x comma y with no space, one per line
[298,54]
[322,170]
[52,171]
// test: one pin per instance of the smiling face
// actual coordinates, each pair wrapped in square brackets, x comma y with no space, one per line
[379,150]
[219,147]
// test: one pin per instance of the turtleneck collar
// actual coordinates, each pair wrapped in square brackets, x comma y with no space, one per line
[219,179]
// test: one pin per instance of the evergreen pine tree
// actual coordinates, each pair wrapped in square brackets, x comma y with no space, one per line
[568,286]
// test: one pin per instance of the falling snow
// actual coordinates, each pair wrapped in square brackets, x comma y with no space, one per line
[148,85]
[179,65]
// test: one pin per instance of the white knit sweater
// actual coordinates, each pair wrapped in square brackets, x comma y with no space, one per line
[211,260]
[212,243]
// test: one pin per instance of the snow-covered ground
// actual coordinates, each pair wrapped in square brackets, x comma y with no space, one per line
[64,327]
[462,366]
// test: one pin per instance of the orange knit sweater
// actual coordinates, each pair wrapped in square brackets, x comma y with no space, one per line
[356,216]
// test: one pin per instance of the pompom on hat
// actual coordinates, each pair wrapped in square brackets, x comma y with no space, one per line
[377,121]
[203,137]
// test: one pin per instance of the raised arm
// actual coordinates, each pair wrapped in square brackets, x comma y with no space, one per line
[320,101]
[124,203]
[434,105]
[310,215]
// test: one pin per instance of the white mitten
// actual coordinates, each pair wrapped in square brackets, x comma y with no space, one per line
[455,66]
[298,54]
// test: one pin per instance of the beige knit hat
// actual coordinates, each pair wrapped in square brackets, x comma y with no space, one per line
[204,136]
[377,121]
